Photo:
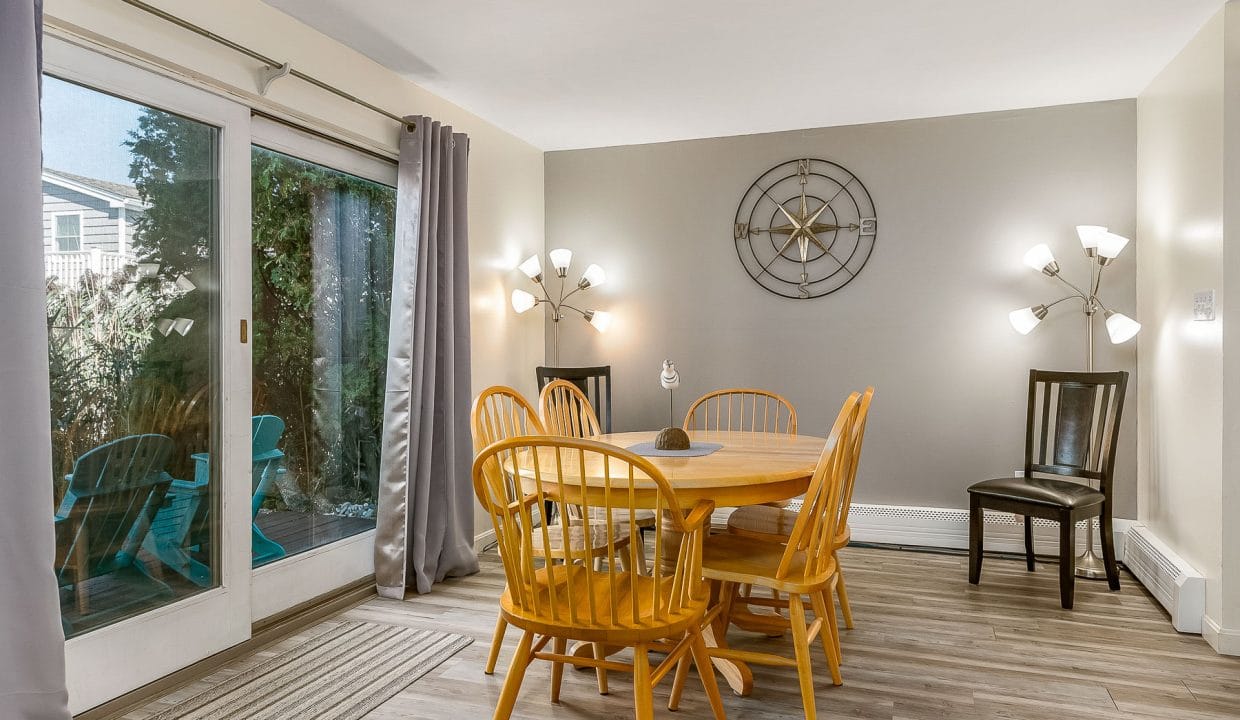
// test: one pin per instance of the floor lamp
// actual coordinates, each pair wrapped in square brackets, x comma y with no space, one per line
[1101,247]
[560,260]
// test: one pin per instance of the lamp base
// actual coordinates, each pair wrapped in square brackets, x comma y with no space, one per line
[1090,566]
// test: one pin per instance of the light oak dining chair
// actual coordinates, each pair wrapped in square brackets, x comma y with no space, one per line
[804,568]
[774,524]
[566,411]
[499,413]
[742,409]
[554,603]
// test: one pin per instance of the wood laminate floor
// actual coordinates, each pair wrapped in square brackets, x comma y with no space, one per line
[928,646]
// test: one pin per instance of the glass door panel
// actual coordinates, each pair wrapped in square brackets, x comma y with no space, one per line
[132,315]
[322,242]
[149,413]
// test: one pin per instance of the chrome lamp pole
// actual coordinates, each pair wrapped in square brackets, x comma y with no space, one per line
[560,260]
[1101,247]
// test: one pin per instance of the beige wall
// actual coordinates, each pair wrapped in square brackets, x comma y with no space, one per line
[506,174]
[1180,250]
[959,201]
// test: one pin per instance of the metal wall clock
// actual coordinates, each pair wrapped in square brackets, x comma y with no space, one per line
[805,228]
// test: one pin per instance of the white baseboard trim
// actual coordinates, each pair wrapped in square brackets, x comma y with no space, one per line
[1225,641]
[483,540]
[949,528]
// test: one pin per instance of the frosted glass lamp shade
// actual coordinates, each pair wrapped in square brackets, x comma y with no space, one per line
[1121,328]
[532,267]
[560,260]
[522,301]
[599,319]
[1041,258]
[1111,245]
[593,277]
[1089,235]
[1026,319]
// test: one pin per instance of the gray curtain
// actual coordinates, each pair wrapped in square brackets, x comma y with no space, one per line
[425,523]
[32,655]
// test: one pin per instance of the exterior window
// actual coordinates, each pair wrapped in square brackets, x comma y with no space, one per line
[322,266]
[133,353]
[68,232]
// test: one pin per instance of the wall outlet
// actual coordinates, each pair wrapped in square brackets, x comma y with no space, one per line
[1203,305]
[1020,473]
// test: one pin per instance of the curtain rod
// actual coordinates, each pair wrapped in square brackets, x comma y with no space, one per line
[254,54]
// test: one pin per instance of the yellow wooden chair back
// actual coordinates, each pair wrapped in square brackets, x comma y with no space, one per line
[742,409]
[565,410]
[850,476]
[818,520]
[575,593]
[499,412]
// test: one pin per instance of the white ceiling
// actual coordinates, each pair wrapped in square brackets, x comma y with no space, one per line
[587,73]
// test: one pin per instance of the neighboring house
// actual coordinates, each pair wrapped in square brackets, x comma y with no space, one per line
[88,224]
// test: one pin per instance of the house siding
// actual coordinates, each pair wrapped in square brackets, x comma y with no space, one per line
[98,220]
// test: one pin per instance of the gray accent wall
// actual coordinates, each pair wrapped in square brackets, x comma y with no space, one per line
[959,199]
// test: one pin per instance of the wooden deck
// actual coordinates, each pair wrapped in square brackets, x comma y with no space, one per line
[928,646]
[117,596]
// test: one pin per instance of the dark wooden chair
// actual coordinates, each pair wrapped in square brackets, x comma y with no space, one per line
[1071,431]
[595,382]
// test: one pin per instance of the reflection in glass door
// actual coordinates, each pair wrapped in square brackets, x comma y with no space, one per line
[130,234]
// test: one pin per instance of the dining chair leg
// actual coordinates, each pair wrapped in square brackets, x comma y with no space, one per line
[516,674]
[678,682]
[842,591]
[600,653]
[1108,547]
[641,552]
[497,641]
[829,635]
[975,540]
[800,641]
[706,669]
[1067,560]
[560,647]
[643,691]
[1029,543]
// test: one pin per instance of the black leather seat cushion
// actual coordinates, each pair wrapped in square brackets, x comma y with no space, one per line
[1041,491]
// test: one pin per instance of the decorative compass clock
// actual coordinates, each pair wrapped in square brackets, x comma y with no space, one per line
[805,228]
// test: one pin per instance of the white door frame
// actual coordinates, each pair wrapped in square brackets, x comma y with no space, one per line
[296,579]
[106,663]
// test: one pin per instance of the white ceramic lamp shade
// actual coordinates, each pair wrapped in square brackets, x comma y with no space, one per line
[1025,320]
[1040,258]
[532,267]
[1121,328]
[1089,235]
[593,277]
[522,301]
[1111,245]
[561,258]
[600,319]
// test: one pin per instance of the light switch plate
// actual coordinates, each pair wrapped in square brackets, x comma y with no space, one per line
[1203,305]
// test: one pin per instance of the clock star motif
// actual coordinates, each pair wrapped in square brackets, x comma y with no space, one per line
[803,253]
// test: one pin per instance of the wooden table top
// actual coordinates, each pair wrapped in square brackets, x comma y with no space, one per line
[750,468]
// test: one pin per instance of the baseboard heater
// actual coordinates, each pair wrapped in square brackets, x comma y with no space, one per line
[949,528]
[1177,585]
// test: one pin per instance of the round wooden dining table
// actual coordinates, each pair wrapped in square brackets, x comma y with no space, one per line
[751,468]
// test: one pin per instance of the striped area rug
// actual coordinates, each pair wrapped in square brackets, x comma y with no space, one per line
[340,675]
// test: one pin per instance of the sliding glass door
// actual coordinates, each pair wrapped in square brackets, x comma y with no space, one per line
[323,231]
[145,297]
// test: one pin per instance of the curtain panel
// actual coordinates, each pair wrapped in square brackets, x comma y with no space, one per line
[425,515]
[32,659]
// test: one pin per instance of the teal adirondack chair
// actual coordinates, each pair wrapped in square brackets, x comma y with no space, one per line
[182,527]
[114,493]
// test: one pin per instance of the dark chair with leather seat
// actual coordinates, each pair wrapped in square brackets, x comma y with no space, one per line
[595,382]
[1071,431]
